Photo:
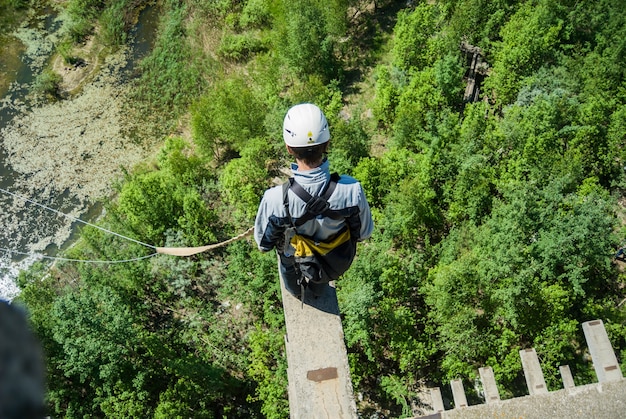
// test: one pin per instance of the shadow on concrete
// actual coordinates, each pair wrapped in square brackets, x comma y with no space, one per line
[327,302]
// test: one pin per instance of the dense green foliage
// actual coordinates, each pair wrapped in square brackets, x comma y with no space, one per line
[496,221]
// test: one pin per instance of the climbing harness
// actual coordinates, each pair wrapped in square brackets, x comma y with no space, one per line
[172,251]
[318,262]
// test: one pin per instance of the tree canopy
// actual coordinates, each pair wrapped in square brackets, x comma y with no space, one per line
[496,220]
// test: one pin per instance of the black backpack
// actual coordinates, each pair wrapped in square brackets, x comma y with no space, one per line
[320,262]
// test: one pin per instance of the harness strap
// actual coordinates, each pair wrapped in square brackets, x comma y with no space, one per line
[315,205]
[326,192]
[286,202]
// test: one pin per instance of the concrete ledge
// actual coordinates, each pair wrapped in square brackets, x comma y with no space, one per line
[597,401]
[317,363]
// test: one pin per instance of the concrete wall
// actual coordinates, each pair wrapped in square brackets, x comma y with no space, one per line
[605,399]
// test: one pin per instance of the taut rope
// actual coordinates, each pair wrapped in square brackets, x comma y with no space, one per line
[173,251]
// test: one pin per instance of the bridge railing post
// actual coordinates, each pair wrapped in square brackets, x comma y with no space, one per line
[602,354]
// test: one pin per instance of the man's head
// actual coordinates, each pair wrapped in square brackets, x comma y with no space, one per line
[306,133]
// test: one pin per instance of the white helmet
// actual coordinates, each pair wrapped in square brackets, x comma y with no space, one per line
[305,125]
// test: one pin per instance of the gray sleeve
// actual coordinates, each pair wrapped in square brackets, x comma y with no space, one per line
[269,225]
[367,223]
[261,222]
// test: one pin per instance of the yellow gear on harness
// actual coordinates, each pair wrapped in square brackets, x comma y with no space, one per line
[305,247]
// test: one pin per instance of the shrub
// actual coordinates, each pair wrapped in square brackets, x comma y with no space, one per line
[47,84]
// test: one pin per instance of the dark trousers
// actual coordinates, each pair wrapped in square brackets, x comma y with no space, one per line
[291,277]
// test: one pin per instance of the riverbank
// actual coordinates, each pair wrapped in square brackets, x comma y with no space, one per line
[73,76]
[76,146]
[66,154]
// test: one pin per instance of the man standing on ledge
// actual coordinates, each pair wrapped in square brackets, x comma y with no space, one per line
[306,135]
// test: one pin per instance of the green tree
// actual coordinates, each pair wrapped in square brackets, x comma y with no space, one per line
[478,21]
[381,301]
[473,164]
[98,334]
[306,41]
[521,276]
[380,176]
[270,371]
[386,96]
[350,143]
[227,118]
[420,111]
[174,198]
[253,280]
[412,37]
[244,179]
[530,39]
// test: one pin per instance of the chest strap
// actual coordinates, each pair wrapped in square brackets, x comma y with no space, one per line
[315,205]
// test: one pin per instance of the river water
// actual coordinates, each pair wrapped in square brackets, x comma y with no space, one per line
[65,154]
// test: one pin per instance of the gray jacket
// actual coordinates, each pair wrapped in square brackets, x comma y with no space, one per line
[272,220]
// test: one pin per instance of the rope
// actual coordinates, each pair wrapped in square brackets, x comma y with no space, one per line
[188,251]
[74,218]
[39,255]
[173,251]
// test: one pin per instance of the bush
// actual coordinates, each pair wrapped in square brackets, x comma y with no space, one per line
[113,23]
[47,84]
[240,47]
[79,28]
[226,118]
[66,50]
[255,14]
